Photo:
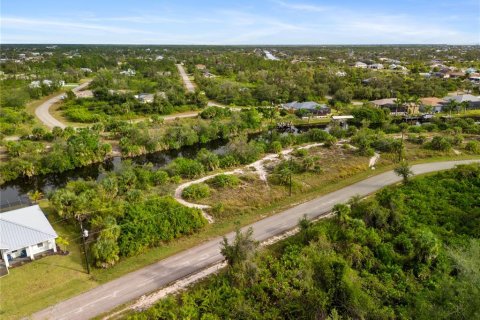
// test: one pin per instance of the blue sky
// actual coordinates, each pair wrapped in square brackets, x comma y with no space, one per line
[241,22]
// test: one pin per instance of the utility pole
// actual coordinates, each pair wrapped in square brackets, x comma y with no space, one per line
[290,187]
[85,235]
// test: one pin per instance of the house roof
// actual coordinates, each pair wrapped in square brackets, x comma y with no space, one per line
[431,101]
[462,98]
[302,105]
[24,227]
[382,102]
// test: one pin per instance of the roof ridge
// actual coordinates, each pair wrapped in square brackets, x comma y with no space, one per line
[27,227]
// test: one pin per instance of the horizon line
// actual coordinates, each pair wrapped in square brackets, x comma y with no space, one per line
[252,44]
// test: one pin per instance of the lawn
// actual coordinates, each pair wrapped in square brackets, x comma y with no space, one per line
[40,283]
[55,278]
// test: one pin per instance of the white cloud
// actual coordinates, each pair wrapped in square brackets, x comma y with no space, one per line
[303,6]
[41,23]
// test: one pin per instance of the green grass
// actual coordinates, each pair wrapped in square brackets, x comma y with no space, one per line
[55,278]
[38,284]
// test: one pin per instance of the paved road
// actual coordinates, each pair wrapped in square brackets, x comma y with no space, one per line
[188,84]
[133,285]
[43,114]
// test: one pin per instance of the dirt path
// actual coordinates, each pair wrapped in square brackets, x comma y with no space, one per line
[258,165]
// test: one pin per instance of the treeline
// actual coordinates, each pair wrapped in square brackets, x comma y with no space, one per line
[70,149]
[214,123]
[122,219]
[252,80]
[107,104]
[409,252]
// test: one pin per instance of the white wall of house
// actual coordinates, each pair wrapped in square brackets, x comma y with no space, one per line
[34,249]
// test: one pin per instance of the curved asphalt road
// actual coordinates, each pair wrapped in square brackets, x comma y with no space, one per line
[42,111]
[146,280]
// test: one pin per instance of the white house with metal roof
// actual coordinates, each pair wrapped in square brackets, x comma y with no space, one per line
[24,233]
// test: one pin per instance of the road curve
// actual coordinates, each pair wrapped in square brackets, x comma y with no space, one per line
[146,280]
[43,114]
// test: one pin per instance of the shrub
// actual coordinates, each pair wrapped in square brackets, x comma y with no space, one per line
[228,161]
[208,159]
[416,129]
[473,147]
[159,177]
[417,139]
[439,143]
[430,127]
[224,180]
[187,168]
[196,191]
[301,153]
[276,147]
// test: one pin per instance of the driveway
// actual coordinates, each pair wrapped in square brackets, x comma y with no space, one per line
[148,279]
[43,114]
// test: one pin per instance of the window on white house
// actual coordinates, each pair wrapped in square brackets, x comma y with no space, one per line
[40,244]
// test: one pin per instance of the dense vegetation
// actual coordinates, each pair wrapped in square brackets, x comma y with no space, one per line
[123,219]
[409,252]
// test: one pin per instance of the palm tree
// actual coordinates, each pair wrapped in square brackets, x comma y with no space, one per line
[415,100]
[465,105]
[428,108]
[451,105]
[35,196]
[403,170]
[399,101]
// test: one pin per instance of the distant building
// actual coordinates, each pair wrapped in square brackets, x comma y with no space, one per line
[129,72]
[376,66]
[474,78]
[145,97]
[456,74]
[473,101]
[86,70]
[313,107]
[393,107]
[26,233]
[34,84]
[159,57]
[360,65]
[200,66]
[340,73]
[435,103]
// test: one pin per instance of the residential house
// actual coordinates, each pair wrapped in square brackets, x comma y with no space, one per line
[129,72]
[200,66]
[395,109]
[145,97]
[474,78]
[376,66]
[86,70]
[456,74]
[360,65]
[207,74]
[435,103]
[26,233]
[470,70]
[472,101]
[312,107]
